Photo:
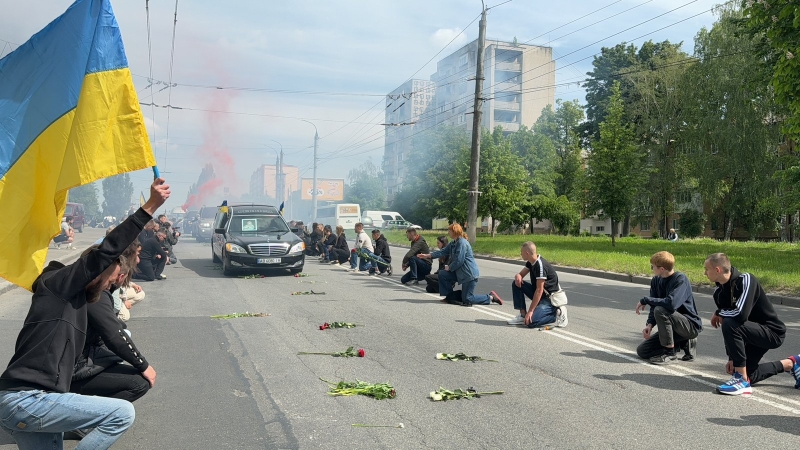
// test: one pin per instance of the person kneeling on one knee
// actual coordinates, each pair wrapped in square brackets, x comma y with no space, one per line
[672,310]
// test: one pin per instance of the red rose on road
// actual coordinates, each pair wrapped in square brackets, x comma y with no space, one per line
[361,353]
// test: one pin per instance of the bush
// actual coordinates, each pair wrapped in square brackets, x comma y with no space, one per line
[655,234]
[633,235]
[692,223]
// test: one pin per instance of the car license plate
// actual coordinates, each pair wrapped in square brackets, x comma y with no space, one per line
[269,260]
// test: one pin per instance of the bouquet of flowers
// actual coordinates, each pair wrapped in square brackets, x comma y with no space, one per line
[301,274]
[307,293]
[349,353]
[444,394]
[327,325]
[460,357]
[378,391]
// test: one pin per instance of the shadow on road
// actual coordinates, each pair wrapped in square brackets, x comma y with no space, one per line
[778,423]
[206,269]
[495,323]
[658,381]
[598,355]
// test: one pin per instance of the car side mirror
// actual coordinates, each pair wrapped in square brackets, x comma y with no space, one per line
[219,230]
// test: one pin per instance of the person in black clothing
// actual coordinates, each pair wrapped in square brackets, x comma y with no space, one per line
[152,260]
[108,343]
[672,310]
[340,253]
[433,279]
[382,253]
[36,407]
[750,326]
[148,231]
[312,249]
[328,243]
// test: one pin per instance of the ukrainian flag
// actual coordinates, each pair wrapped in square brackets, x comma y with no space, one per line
[69,115]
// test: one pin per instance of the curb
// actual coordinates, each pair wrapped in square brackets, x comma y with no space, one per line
[68,259]
[793,302]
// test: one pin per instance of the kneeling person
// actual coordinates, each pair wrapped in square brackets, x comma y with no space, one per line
[542,310]
[672,310]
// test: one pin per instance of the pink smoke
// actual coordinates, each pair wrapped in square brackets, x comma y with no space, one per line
[204,192]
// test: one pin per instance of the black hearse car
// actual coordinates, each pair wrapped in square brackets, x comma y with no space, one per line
[254,237]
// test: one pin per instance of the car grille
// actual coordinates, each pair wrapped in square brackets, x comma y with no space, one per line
[269,249]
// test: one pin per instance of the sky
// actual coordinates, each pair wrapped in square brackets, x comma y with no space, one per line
[327,62]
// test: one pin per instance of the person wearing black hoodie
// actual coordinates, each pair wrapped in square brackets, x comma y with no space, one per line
[108,343]
[750,326]
[36,407]
[341,251]
[382,255]
[152,259]
[672,311]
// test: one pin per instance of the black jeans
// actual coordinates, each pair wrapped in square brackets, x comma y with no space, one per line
[340,254]
[674,329]
[120,381]
[746,343]
[150,270]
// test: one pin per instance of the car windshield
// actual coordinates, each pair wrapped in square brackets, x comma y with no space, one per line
[256,225]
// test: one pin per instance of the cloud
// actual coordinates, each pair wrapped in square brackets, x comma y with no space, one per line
[443,36]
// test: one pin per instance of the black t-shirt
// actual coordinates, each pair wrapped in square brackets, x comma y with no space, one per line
[542,270]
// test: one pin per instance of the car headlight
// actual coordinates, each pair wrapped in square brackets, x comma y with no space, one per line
[297,248]
[233,248]
[205,225]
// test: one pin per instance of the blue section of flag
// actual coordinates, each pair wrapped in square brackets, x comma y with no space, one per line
[281,208]
[41,80]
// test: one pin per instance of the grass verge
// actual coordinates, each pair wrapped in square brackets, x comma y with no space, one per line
[774,264]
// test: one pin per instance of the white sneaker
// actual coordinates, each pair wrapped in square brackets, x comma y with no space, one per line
[562,320]
[519,320]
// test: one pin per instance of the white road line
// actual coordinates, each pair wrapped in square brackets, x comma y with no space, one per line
[626,354]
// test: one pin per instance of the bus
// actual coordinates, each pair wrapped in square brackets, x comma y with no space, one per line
[344,214]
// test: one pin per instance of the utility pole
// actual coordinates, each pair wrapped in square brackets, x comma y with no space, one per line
[314,187]
[281,180]
[475,157]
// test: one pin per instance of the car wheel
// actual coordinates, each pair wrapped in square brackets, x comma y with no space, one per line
[226,266]
[214,257]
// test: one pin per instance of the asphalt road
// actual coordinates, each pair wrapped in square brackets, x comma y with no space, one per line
[239,384]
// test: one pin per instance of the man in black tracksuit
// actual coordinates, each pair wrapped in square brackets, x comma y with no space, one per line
[98,370]
[35,405]
[749,325]
[152,259]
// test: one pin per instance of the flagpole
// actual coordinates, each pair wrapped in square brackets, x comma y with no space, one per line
[156,174]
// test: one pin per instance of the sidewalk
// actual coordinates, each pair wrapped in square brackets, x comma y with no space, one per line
[774,298]
[64,255]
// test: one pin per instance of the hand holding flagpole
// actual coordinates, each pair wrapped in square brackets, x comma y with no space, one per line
[159,193]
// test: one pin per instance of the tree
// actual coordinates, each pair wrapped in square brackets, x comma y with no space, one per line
[732,127]
[86,195]
[659,85]
[614,166]
[692,223]
[503,181]
[561,127]
[776,25]
[366,187]
[117,195]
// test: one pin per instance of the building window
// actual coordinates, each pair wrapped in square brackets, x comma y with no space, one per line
[399,157]
[462,60]
[714,224]
[644,225]
[675,223]
[389,191]
[600,228]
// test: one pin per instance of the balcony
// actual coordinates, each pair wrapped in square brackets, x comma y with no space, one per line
[507,106]
[509,67]
[511,127]
[508,87]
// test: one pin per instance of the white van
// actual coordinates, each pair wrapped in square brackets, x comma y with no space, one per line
[380,218]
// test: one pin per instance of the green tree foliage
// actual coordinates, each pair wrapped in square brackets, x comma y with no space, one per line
[659,85]
[691,223]
[776,23]
[365,187]
[117,195]
[733,136]
[503,181]
[561,127]
[86,195]
[614,166]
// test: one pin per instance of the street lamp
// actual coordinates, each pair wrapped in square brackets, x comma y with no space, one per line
[314,183]
[280,189]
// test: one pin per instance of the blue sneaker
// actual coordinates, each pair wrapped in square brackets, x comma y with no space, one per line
[735,386]
[796,370]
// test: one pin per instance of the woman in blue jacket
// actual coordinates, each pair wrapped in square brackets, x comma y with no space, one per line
[462,268]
